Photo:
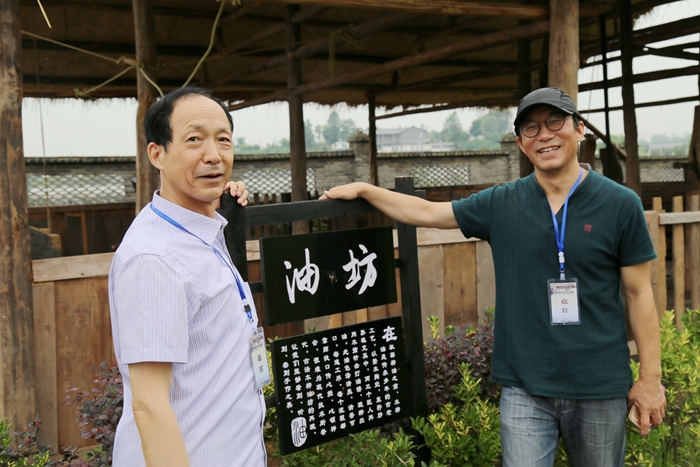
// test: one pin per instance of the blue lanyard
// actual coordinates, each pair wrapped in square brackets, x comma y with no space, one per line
[246,306]
[560,236]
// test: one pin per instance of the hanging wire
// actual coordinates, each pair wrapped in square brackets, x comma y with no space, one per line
[43,12]
[211,44]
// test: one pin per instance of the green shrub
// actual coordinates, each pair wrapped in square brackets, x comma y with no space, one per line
[367,448]
[444,355]
[466,433]
[25,450]
[677,441]
[99,412]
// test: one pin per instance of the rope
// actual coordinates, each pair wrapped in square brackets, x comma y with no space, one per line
[85,94]
[345,35]
[77,49]
[44,13]
[143,72]
[211,44]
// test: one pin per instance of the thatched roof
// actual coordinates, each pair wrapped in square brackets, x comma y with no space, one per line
[453,51]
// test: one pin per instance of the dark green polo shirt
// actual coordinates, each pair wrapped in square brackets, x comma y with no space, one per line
[606,230]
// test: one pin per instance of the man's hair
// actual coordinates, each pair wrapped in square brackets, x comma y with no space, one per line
[156,124]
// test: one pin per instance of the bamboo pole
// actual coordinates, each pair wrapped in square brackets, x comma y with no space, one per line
[678,264]
[563,46]
[632,177]
[144,31]
[17,383]
[694,255]
[660,293]
[466,45]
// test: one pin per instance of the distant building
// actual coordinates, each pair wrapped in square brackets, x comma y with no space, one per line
[411,139]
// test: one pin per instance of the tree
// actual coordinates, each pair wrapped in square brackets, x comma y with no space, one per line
[336,129]
[309,134]
[452,131]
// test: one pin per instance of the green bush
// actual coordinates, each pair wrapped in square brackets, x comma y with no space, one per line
[677,441]
[24,449]
[466,433]
[367,448]
[444,355]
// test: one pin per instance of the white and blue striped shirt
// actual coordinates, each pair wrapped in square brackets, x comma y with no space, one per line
[172,299]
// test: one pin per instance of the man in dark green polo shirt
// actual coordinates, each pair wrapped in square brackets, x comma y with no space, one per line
[563,239]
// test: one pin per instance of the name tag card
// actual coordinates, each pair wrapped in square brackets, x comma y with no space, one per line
[563,302]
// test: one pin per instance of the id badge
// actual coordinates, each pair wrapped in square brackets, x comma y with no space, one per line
[258,355]
[563,302]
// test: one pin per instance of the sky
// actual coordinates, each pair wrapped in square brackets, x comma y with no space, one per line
[107,127]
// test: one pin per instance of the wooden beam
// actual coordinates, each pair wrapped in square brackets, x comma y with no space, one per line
[694,253]
[490,102]
[620,152]
[673,51]
[298,18]
[439,7]
[649,35]
[678,264]
[145,40]
[373,26]
[17,384]
[640,105]
[632,175]
[466,45]
[373,169]
[449,79]
[297,144]
[564,47]
[643,78]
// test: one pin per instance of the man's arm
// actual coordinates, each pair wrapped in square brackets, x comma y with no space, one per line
[404,208]
[647,393]
[161,438]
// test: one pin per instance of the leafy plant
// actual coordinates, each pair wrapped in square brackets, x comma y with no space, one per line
[677,441]
[444,355]
[367,448]
[466,433]
[25,450]
[99,412]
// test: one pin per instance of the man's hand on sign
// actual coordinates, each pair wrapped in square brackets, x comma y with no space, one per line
[347,192]
[238,189]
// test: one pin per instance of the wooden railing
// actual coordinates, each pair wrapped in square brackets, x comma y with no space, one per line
[71,310]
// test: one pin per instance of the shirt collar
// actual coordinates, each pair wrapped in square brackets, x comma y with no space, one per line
[204,227]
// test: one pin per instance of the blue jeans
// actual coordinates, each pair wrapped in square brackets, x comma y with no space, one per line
[593,430]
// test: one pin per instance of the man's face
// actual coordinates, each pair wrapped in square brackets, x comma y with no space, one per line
[198,161]
[551,151]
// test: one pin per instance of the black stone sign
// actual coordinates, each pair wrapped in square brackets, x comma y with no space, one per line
[313,275]
[332,383]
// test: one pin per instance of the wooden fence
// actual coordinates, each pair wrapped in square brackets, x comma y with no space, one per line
[71,309]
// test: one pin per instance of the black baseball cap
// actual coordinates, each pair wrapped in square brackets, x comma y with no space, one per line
[544,96]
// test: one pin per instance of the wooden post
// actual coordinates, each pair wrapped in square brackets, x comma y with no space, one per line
[147,176]
[17,384]
[660,292]
[678,264]
[524,88]
[694,255]
[633,180]
[410,304]
[563,46]
[373,168]
[544,63]
[297,144]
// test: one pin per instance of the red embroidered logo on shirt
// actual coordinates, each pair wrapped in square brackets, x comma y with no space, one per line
[587,228]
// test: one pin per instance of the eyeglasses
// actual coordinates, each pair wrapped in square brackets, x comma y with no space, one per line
[554,122]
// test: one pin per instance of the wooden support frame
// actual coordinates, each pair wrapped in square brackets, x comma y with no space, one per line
[17,377]
[240,218]
[678,264]
[373,168]
[147,180]
[564,46]
[467,45]
[632,176]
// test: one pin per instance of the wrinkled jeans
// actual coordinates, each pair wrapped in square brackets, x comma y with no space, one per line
[593,431]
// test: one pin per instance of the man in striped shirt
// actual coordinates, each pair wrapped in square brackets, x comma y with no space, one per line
[180,322]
